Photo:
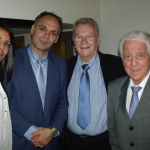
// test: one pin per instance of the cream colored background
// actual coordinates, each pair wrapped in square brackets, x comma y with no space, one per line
[115,17]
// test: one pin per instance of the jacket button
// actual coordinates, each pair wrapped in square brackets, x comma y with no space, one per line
[131,144]
[131,128]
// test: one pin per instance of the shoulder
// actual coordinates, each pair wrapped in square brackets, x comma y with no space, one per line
[110,58]
[56,58]
[72,60]
[20,52]
[119,81]
[113,63]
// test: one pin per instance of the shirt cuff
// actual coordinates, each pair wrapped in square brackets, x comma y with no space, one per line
[31,130]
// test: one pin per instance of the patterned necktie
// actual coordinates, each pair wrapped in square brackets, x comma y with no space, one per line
[134,100]
[40,80]
[84,112]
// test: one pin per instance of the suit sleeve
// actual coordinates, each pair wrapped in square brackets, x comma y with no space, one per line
[19,123]
[111,117]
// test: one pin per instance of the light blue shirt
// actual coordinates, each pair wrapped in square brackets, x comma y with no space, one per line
[33,59]
[98,99]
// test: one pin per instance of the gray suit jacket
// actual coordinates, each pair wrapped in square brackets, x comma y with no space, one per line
[126,133]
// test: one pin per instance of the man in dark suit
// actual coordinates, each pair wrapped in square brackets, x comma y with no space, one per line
[37,90]
[129,96]
[89,132]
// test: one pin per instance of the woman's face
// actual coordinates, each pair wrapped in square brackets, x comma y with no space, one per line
[4,43]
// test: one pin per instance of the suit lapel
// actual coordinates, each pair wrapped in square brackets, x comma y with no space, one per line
[105,70]
[51,76]
[28,71]
[122,98]
[71,65]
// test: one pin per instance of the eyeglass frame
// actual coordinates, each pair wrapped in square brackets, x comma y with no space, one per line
[86,37]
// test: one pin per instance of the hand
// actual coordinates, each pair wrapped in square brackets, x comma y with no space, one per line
[41,137]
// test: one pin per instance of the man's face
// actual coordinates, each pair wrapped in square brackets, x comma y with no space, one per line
[4,43]
[44,34]
[136,60]
[86,41]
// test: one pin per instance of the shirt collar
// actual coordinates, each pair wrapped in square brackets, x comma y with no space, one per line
[90,63]
[34,57]
[142,84]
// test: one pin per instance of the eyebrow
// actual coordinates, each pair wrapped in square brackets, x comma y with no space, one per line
[51,30]
[6,40]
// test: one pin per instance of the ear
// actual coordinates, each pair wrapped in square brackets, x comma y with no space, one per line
[72,39]
[121,56]
[32,29]
[98,39]
[57,39]
[122,59]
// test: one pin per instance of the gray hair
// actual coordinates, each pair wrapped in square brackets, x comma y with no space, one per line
[86,21]
[135,35]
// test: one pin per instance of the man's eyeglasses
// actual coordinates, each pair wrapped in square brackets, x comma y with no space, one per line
[78,38]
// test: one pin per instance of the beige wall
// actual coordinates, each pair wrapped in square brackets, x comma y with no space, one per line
[69,10]
[115,17]
[119,17]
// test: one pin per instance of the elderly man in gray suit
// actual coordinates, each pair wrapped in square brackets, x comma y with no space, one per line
[129,96]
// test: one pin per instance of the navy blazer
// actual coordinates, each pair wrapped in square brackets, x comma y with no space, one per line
[25,102]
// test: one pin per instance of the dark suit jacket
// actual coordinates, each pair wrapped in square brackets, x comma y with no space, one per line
[25,102]
[126,133]
[112,68]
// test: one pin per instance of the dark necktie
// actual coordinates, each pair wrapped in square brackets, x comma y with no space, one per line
[84,112]
[40,80]
[134,100]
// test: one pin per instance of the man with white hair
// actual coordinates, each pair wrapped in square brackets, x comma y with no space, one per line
[129,96]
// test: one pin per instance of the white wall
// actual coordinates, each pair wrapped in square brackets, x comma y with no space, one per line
[119,17]
[69,10]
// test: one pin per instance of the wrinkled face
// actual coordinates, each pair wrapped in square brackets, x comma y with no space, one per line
[136,60]
[44,34]
[4,43]
[86,41]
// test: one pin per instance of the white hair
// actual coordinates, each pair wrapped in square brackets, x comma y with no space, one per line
[135,35]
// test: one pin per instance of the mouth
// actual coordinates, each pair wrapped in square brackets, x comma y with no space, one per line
[84,47]
[135,71]
[43,41]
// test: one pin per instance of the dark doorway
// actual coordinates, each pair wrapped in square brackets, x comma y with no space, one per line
[64,46]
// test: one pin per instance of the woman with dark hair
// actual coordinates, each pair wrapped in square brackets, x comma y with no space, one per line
[6,60]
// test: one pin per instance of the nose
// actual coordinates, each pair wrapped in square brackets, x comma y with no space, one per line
[83,41]
[134,61]
[1,45]
[47,34]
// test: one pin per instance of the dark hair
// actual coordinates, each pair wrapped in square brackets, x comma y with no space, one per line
[7,62]
[50,14]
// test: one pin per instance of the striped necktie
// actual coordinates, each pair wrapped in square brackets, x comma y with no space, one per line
[84,110]
[134,100]
[40,80]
